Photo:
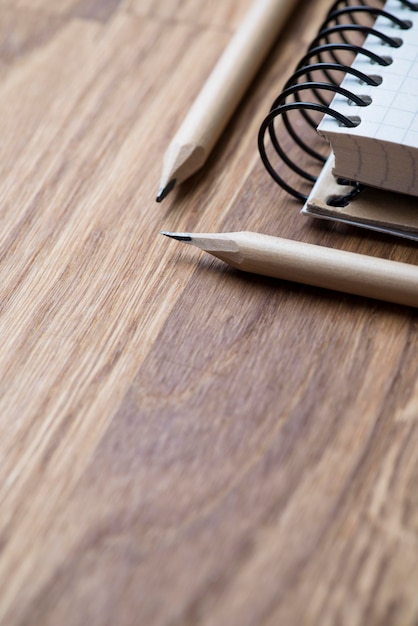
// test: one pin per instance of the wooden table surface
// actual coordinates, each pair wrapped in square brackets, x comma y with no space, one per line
[182,444]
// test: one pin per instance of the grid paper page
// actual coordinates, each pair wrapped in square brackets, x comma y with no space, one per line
[383,148]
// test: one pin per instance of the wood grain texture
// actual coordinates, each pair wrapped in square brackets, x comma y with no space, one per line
[181,443]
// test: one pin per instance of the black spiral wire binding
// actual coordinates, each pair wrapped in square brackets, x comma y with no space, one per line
[331,61]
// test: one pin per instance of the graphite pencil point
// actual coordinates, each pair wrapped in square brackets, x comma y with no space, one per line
[164,191]
[177,236]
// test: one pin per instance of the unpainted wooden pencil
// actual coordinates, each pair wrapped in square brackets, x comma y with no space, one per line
[310,264]
[222,91]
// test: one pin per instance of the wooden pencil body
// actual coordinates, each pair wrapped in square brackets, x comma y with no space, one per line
[233,73]
[224,88]
[323,267]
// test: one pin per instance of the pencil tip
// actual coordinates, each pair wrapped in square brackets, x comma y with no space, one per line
[177,236]
[164,191]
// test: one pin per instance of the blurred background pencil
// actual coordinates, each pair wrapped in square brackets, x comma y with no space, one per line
[222,91]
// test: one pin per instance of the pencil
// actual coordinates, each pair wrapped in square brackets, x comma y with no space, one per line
[222,91]
[310,264]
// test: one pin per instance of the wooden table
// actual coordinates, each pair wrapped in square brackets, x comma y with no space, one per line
[182,444]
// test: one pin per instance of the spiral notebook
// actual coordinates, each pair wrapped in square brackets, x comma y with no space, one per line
[360,74]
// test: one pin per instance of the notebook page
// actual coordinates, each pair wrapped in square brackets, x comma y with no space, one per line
[383,148]
[374,209]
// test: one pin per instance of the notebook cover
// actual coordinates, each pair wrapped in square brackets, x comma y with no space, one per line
[375,209]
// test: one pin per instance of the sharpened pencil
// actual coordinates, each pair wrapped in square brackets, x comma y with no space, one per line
[222,91]
[310,264]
